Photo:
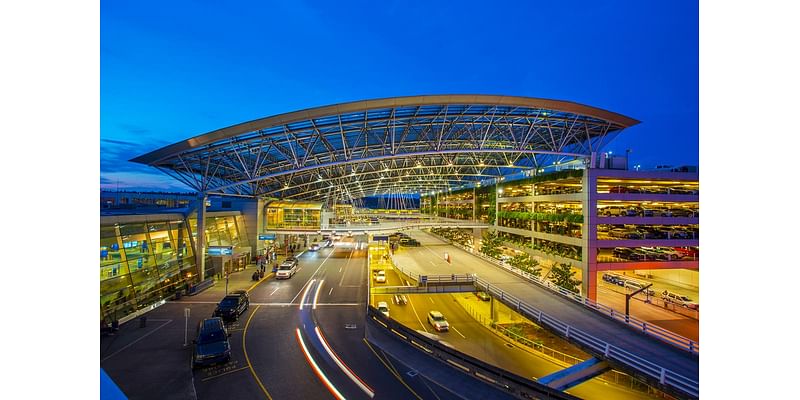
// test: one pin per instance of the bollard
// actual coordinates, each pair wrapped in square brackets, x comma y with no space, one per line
[142,321]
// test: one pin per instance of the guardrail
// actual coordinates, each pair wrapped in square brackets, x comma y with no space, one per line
[651,371]
[511,383]
[656,331]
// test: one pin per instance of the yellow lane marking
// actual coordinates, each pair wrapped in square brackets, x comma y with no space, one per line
[224,373]
[247,358]
[391,370]
[269,275]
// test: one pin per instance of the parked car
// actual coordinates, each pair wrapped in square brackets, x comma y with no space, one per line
[483,295]
[670,252]
[681,300]
[211,344]
[648,212]
[613,278]
[636,285]
[437,320]
[622,252]
[383,308]
[688,252]
[232,305]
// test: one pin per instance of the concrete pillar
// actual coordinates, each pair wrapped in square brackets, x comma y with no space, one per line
[589,233]
[200,250]
[259,225]
[474,205]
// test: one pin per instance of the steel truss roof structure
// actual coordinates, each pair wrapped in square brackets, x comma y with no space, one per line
[396,145]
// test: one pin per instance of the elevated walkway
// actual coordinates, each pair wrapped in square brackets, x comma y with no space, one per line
[384,227]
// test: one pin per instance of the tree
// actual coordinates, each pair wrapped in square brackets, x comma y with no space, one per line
[490,244]
[562,275]
[526,263]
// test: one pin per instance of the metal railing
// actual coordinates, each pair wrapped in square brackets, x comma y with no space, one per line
[664,377]
[594,345]
[656,331]
[509,382]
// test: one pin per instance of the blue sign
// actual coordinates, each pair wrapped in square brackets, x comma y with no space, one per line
[267,236]
[384,238]
[220,250]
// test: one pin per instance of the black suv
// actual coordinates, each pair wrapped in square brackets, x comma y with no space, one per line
[233,305]
[211,345]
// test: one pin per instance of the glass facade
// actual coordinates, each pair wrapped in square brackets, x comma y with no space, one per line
[144,262]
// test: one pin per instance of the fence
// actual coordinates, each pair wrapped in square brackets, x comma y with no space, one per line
[638,324]
[508,382]
[650,371]
[566,360]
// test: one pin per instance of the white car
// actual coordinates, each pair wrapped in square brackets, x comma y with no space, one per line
[383,308]
[437,320]
[681,300]
[314,247]
[286,270]
[380,276]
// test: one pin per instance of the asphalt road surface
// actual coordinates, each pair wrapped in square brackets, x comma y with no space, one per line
[469,336]
[428,259]
[268,341]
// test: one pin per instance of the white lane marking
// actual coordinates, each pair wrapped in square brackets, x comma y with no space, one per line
[417,315]
[454,328]
[136,341]
[330,291]
[429,298]
[316,295]
[276,289]
[305,293]
[349,256]
[340,270]
[432,263]
[312,275]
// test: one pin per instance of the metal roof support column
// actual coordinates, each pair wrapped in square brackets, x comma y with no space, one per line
[200,250]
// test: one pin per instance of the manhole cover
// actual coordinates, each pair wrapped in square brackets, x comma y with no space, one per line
[412,373]
[349,326]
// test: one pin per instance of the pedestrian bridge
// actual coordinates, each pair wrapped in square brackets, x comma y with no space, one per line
[381,227]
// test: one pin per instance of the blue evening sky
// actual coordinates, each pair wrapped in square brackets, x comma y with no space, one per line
[171,70]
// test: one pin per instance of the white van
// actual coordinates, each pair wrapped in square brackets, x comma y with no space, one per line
[286,270]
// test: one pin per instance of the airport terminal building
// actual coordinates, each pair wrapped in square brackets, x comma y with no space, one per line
[534,169]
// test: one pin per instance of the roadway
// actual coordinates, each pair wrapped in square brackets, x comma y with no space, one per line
[268,360]
[428,260]
[471,337]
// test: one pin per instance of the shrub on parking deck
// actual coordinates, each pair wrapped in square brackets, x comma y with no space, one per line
[526,263]
[562,275]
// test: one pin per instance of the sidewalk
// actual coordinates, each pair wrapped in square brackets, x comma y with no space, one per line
[240,280]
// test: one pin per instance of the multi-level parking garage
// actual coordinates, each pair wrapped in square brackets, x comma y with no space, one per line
[492,160]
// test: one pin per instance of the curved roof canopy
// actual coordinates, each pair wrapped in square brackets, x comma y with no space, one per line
[394,145]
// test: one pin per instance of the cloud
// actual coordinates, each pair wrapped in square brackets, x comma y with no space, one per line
[142,181]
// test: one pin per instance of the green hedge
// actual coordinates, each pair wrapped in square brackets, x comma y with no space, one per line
[529,216]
